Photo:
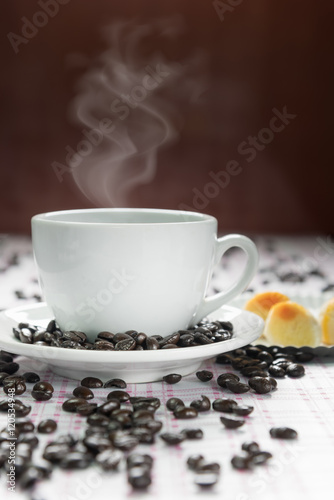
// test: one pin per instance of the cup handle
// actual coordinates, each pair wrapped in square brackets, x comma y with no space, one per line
[210,304]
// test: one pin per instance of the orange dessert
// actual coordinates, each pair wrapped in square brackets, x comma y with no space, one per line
[327,322]
[261,303]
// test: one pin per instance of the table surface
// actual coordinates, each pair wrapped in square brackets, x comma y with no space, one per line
[299,469]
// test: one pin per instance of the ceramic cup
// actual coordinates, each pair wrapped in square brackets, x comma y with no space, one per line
[142,269]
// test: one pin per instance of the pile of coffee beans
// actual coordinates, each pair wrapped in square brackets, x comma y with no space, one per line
[204,333]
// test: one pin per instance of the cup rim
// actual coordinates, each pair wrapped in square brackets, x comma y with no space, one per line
[54,217]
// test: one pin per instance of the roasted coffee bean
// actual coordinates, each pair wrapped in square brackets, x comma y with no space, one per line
[259,457]
[103,345]
[260,385]
[173,438]
[109,459]
[122,396]
[204,375]
[209,466]
[205,479]
[108,336]
[242,410]
[9,368]
[6,357]
[54,452]
[283,433]
[170,346]
[41,395]
[76,460]
[241,462]
[236,387]
[31,377]
[255,373]
[67,439]
[143,435]
[172,378]
[24,426]
[123,440]
[221,335]
[98,419]
[173,403]
[86,409]
[139,477]
[273,383]
[108,407]
[194,461]
[185,412]
[47,426]
[232,422]
[265,356]
[295,370]
[96,443]
[11,383]
[192,433]
[20,409]
[136,459]
[250,446]
[186,340]
[115,382]
[83,392]
[29,438]
[140,403]
[303,357]
[202,338]
[91,382]
[152,425]
[152,344]
[224,405]
[276,371]
[43,386]
[3,376]
[170,339]
[71,405]
[126,345]
[252,351]
[226,325]
[201,404]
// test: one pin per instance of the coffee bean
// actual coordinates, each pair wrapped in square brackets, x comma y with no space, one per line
[276,371]
[201,404]
[232,422]
[5,356]
[47,426]
[108,407]
[192,433]
[9,368]
[152,344]
[143,435]
[29,438]
[242,410]
[194,461]
[295,370]
[86,409]
[205,479]
[170,339]
[41,395]
[225,377]
[185,412]
[83,392]
[139,459]
[224,405]
[173,438]
[24,426]
[236,387]
[250,446]
[125,345]
[122,396]
[97,419]
[172,378]
[76,460]
[260,385]
[115,382]
[273,383]
[11,383]
[304,357]
[3,376]
[283,433]
[208,466]
[54,452]
[204,375]
[96,443]
[123,440]
[31,377]
[259,457]
[70,405]
[139,477]
[173,403]
[91,382]
[109,459]
[241,462]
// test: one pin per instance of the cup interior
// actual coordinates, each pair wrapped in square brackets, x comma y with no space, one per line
[123,216]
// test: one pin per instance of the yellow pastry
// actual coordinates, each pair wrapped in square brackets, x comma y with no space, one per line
[261,303]
[289,323]
[327,322]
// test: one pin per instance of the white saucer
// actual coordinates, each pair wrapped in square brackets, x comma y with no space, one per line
[132,366]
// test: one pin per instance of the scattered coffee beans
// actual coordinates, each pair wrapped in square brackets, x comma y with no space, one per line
[172,378]
[283,433]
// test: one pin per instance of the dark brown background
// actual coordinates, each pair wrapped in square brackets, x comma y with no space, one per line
[263,55]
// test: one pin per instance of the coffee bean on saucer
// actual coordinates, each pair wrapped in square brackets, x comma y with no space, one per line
[204,375]
[283,433]
[152,344]
[295,370]
[232,422]
[203,404]
[83,392]
[115,382]
[31,377]
[125,345]
[47,426]
[172,378]
[91,382]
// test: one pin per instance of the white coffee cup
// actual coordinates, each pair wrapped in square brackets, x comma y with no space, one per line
[142,269]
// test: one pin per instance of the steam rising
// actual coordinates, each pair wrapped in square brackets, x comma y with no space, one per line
[127,105]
